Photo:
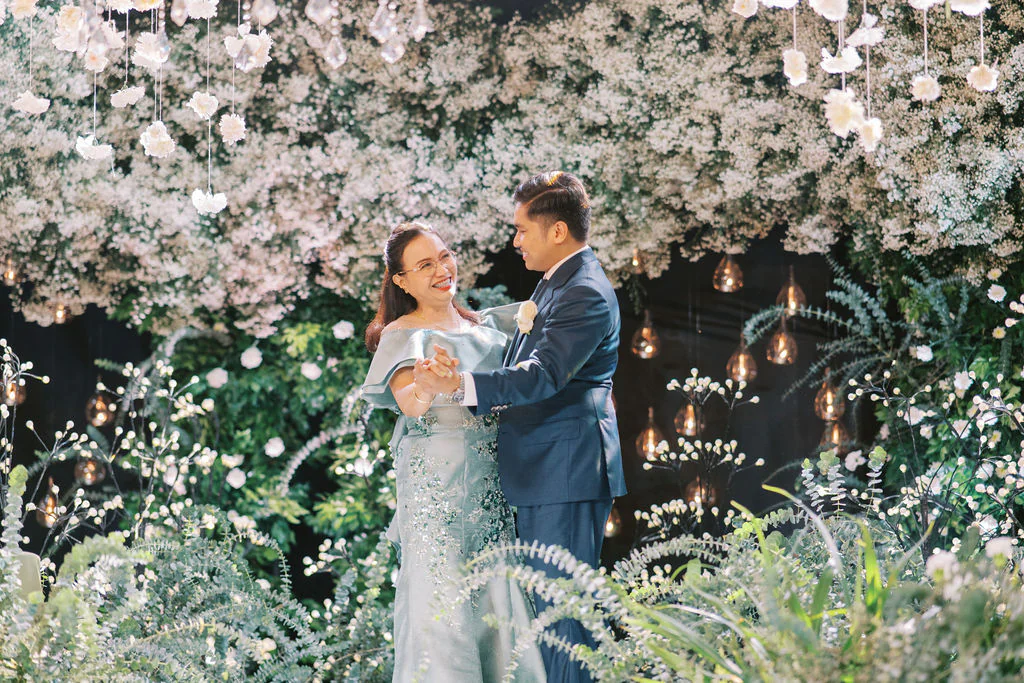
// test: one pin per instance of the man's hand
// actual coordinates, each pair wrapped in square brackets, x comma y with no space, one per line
[436,377]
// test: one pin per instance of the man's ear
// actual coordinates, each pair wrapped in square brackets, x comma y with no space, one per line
[560,232]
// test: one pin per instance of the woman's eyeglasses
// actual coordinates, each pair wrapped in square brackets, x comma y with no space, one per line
[430,266]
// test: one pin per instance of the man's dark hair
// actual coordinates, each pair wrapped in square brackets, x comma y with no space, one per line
[557,196]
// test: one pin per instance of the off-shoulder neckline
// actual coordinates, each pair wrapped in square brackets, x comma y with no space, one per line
[472,328]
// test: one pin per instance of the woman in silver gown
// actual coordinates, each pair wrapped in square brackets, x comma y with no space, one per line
[450,504]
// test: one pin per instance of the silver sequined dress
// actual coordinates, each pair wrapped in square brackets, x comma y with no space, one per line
[450,508]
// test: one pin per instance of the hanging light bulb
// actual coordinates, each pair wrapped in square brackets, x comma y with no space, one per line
[649,438]
[636,264]
[782,346]
[728,276]
[60,314]
[100,410]
[689,421]
[792,297]
[90,471]
[46,510]
[14,392]
[835,436]
[828,403]
[646,342]
[741,366]
[614,524]
[700,492]
[11,276]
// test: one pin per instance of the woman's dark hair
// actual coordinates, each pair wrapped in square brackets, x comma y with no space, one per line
[394,301]
[557,196]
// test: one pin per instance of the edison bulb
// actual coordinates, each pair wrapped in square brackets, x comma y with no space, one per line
[835,436]
[46,510]
[614,524]
[646,342]
[782,346]
[689,421]
[792,297]
[728,275]
[90,471]
[828,403]
[741,366]
[649,438]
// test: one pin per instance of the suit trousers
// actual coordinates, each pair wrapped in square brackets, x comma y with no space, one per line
[579,528]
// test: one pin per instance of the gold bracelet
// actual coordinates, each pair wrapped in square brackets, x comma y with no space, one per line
[417,398]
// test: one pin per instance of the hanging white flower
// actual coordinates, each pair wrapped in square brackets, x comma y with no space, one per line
[66,41]
[983,78]
[251,358]
[843,62]
[924,4]
[971,8]
[23,9]
[236,478]
[203,104]
[95,60]
[260,45]
[997,293]
[343,330]
[146,5]
[794,65]
[869,34]
[208,203]
[88,148]
[217,378]
[148,52]
[871,134]
[27,103]
[122,6]
[274,447]
[925,89]
[833,10]
[780,4]
[69,23]
[113,38]
[232,128]
[311,371]
[844,113]
[127,96]
[157,141]
[745,8]
[201,9]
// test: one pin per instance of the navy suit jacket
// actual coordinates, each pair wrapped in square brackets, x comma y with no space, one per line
[558,441]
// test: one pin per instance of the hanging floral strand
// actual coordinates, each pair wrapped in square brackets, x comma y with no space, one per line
[925,87]
[794,62]
[983,78]
[27,102]
[868,35]
[204,104]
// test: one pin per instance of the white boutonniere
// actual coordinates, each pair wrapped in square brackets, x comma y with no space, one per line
[524,318]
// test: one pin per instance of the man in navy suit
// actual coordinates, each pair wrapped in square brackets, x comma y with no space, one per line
[558,444]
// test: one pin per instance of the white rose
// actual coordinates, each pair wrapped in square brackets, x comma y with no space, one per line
[70,18]
[65,41]
[983,78]
[362,466]
[868,35]
[833,10]
[870,134]
[343,330]
[925,89]
[27,103]
[854,459]
[915,415]
[311,371]
[999,333]
[844,113]
[927,431]
[88,148]
[1000,546]
[996,293]
[127,96]
[252,358]
[962,381]
[745,8]
[971,8]
[842,63]
[794,66]
[960,428]
[232,460]
[156,141]
[23,9]
[922,353]
[995,273]
[201,9]
[217,378]
[208,203]
[207,404]
[232,128]
[236,478]
[524,318]
[274,447]
[203,104]
[150,51]
[95,60]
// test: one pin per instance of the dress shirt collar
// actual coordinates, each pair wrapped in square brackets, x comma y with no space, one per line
[552,269]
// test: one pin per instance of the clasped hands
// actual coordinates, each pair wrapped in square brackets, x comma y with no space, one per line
[437,375]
